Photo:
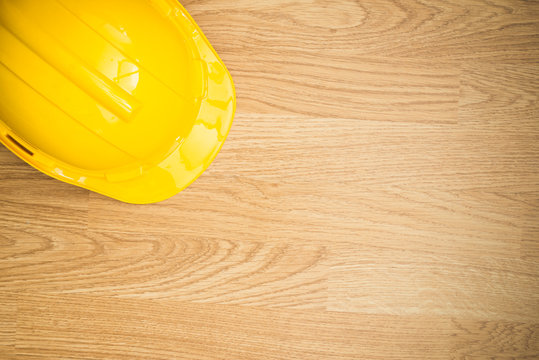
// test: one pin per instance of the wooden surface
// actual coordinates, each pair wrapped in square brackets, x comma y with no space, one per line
[378,198]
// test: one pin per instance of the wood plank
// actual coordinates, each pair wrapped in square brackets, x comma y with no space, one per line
[503,30]
[8,325]
[376,153]
[347,87]
[148,266]
[119,329]
[85,327]
[400,281]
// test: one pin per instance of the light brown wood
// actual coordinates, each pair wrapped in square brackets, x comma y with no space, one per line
[377,198]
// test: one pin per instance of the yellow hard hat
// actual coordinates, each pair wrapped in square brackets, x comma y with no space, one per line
[126,98]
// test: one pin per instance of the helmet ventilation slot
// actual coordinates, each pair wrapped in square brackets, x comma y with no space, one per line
[19,145]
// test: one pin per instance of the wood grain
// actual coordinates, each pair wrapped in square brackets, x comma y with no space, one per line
[190,331]
[355,87]
[93,327]
[160,267]
[402,282]
[8,328]
[503,30]
[377,198]
[530,231]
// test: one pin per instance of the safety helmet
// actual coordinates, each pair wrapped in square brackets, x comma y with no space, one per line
[126,98]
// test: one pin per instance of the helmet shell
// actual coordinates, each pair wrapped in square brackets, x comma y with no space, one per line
[125,98]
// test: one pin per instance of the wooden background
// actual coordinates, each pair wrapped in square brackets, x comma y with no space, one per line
[378,198]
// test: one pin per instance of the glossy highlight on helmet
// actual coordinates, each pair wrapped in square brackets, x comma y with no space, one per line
[124,98]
